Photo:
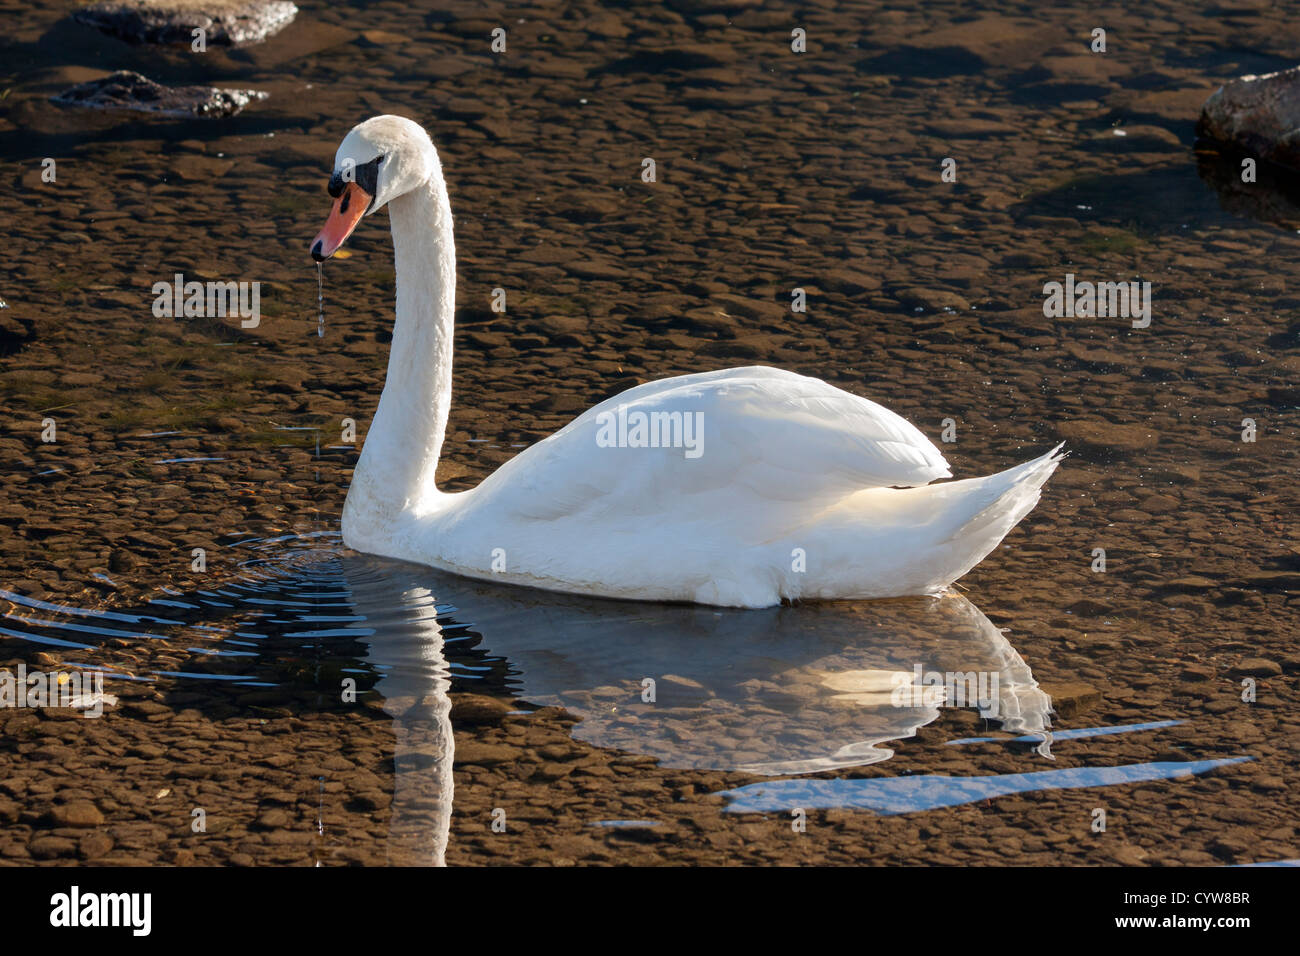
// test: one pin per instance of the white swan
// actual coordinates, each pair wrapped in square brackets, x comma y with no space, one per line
[773,485]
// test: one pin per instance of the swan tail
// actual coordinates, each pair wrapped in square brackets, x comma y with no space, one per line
[1001,500]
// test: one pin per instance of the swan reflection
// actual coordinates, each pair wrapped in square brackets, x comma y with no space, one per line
[779,691]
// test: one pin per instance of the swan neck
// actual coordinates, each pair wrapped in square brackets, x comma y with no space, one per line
[401,452]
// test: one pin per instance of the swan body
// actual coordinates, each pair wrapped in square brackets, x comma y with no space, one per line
[742,487]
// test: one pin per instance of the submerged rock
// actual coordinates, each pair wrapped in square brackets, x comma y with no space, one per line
[1260,114]
[226,22]
[131,91]
[14,332]
[1072,698]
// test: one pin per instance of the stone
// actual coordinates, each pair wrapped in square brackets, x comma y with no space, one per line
[274,819]
[1160,504]
[1255,667]
[673,690]
[371,800]
[295,44]
[76,813]
[932,300]
[200,168]
[51,847]
[483,755]
[1129,855]
[477,709]
[1190,584]
[94,845]
[850,282]
[1259,114]
[1071,698]
[1194,673]
[126,90]
[226,22]
[1107,436]
[14,333]
[991,41]
[384,38]
[1090,608]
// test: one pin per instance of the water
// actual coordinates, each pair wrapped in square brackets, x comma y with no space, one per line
[1079,733]
[924,295]
[307,625]
[320,300]
[778,691]
[913,794]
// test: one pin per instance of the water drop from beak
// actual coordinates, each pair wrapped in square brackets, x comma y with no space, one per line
[320,299]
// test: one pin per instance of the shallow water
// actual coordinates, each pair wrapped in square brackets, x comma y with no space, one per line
[819,172]
[320,299]
[785,690]
[781,692]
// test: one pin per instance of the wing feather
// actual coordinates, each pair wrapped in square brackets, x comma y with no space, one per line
[772,434]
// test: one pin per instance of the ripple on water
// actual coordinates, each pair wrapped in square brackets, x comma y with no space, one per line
[778,692]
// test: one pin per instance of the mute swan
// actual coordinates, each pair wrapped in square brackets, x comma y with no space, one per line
[739,487]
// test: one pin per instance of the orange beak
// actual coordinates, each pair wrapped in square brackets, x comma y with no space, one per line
[347,212]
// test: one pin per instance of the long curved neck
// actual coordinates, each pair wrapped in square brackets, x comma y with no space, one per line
[396,471]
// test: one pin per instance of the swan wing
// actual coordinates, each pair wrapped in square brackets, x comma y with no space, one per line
[757,432]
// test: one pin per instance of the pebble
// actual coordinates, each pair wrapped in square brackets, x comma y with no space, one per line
[77,813]
[51,847]
[1071,698]
[94,845]
[1108,437]
[477,709]
[1255,667]
[275,819]
[484,754]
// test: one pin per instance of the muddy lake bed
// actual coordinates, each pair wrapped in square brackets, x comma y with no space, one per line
[1121,690]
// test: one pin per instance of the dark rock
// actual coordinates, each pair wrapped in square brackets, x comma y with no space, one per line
[131,91]
[1090,608]
[226,22]
[1260,114]
[14,332]
[370,801]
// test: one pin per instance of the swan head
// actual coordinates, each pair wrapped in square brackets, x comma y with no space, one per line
[379,160]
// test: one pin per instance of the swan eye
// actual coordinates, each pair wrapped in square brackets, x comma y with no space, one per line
[366,176]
